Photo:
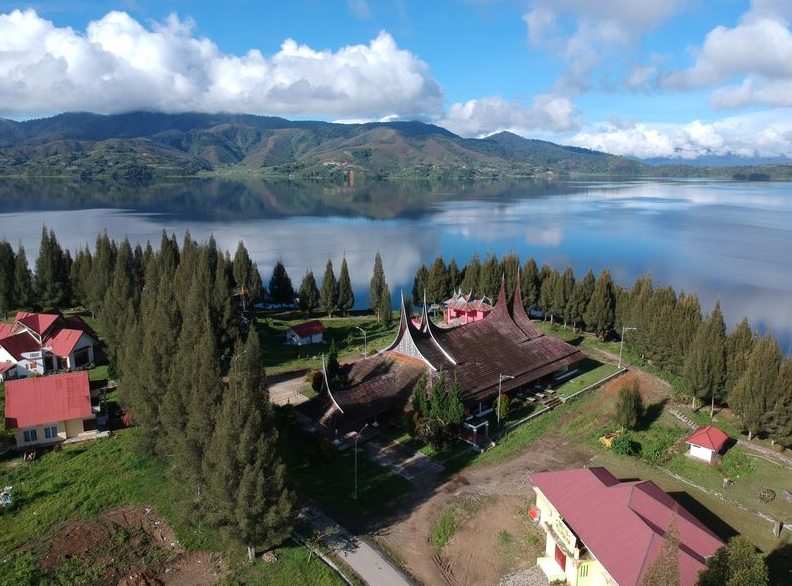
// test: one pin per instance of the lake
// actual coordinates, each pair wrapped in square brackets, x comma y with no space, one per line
[719,239]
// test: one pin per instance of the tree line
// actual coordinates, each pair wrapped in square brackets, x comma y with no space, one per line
[189,373]
[740,369]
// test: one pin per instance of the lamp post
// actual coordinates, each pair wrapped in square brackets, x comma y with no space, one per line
[501,377]
[365,340]
[625,329]
[357,437]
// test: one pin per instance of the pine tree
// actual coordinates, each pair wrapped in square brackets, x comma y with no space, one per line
[754,393]
[660,344]
[242,266]
[101,272]
[562,293]
[437,287]
[687,320]
[280,285]
[80,275]
[580,298]
[51,283]
[601,311]
[629,406]
[222,309]
[546,292]
[328,299]
[7,266]
[705,363]
[245,477]
[453,275]
[454,408]
[639,315]
[23,280]
[419,285]
[420,398]
[739,346]
[664,569]
[256,291]
[331,366]
[308,293]
[470,281]
[781,415]
[346,297]
[510,269]
[122,294]
[386,309]
[738,564]
[490,277]
[530,284]
[377,283]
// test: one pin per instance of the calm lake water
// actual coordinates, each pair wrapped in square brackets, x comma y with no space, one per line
[724,240]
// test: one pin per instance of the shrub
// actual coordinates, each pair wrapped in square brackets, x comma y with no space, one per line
[629,406]
[502,406]
[622,445]
[444,528]
[655,448]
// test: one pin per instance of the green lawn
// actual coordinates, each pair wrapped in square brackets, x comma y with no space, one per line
[326,476]
[592,371]
[278,357]
[295,566]
[449,451]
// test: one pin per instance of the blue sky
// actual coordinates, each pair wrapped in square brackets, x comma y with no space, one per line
[673,78]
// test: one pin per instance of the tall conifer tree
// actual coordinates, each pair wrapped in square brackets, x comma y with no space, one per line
[377,284]
[470,282]
[420,284]
[600,312]
[280,285]
[23,280]
[490,277]
[453,275]
[308,293]
[530,284]
[7,267]
[705,363]
[437,287]
[739,346]
[754,393]
[328,298]
[510,269]
[781,415]
[346,297]
[246,479]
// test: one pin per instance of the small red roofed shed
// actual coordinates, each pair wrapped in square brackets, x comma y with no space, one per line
[309,332]
[707,441]
[46,409]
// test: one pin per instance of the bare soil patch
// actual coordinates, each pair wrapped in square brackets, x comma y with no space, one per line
[130,546]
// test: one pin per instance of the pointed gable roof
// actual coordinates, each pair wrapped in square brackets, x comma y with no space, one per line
[517,311]
[37,322]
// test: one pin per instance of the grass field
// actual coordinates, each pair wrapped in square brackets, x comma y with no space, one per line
[592,371]
[349,341]
[89,478]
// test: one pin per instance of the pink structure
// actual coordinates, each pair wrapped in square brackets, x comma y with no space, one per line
[460,310]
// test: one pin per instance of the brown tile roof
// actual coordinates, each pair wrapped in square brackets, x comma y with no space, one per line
[505,342]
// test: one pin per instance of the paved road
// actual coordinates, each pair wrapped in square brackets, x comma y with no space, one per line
[367,560]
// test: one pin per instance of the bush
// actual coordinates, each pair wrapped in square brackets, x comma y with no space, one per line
[502,406]
[622,445]
[431,432]
[629,406]
[655,448]
[737,464]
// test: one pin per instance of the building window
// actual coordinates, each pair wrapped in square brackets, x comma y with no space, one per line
[51,431]
[583,572]
[30,435]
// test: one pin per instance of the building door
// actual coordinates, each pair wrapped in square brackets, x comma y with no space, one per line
[560,558]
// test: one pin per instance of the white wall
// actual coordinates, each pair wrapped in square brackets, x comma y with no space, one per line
[701,453]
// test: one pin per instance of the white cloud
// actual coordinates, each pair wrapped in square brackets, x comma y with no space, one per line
[359,8]
[604,27]
[766,134]
[493,113]
[118,65]
[757,53]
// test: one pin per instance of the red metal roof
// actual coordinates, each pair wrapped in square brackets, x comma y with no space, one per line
[6,366]
[309,328]
[20,343]
[63,342]
[5,330]
[38,322]
[622,523]
[709,437]
[47,399]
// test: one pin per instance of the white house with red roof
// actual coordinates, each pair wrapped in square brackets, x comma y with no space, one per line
[603,532]
[37,343]
[310,332]
[706,442]
[49,409]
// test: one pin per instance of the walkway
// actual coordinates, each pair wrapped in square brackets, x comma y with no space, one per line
[360,554]
[407,463]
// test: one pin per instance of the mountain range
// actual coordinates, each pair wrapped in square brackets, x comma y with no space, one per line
[147,145]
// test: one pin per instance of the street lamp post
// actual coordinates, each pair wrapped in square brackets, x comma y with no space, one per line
[625,329]
[365,340]
[357,437]
[501,377]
